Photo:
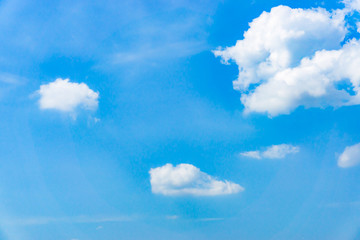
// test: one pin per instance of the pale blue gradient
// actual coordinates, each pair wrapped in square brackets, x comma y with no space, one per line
[164,98]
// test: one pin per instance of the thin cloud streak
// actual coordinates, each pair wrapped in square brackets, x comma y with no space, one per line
[75,219]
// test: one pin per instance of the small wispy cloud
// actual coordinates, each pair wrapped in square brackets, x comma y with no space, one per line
[210,219]
[204,219]
[252,154]
[150,54]
[343,204]
[272,152]
[172,217]
[27,221]
[350,157]
[13,79]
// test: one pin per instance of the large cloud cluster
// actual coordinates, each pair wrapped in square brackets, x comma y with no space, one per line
[186,179]
[296,57]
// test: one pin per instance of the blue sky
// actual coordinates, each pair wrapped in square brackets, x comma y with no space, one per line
[162,120]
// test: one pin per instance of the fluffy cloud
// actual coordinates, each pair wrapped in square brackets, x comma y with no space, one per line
[352,4]
[350,157]
[186,179]
[66,96]
[295,57]
[273,152]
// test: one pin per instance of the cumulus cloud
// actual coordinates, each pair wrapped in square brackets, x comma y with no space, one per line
[350,157]
[186,179]
[273,152]
[67,96]
[296,57]
[352,5]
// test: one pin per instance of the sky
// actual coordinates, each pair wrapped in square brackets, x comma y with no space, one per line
[209,119]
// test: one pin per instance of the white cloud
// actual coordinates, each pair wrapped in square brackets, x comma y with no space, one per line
[280,151]
[186,179]
[251,154]
[350,157]
[273,152]
[352,4]
[66,96]
[295,57]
